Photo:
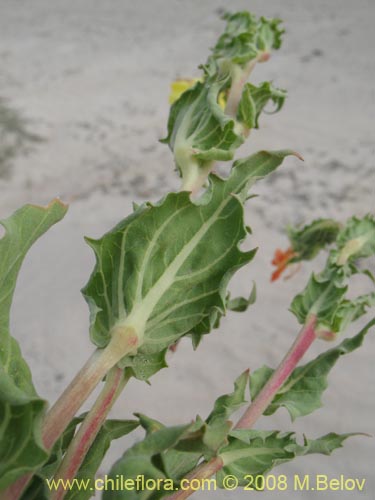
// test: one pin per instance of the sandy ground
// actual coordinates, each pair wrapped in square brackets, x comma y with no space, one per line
[89,80]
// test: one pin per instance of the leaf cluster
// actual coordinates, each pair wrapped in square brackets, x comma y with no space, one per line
[172,452]
[326,294]
[200,131]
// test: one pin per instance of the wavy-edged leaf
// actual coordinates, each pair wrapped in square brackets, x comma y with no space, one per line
[186,452]
[325,293]
[141,459]
[350,310]
[356,240]
[237,304]
[146,365]
[254,99]
[254,453]
[245,38]
[200,130]
[321,297]
[202,439]
[21,410]
[173,452]
[229,403]
[307,241]
[324,445]
[241,304]
[301,393]
[165,268]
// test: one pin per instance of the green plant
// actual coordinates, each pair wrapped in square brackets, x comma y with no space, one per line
[162,274]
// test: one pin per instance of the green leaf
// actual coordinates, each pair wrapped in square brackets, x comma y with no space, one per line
[177,461]
[229,403]
[203,440]
[21,410]
[111,430]
[324,295]
[205,326]
[150,425]
[356,240]
[197,440]
[241,304]
[307,241]
[245,38]
[164,269]
[350,310]
[141,459]
[254,453]
[301,393]
[238,304]
[37,488]
[200,131]
[324,445]
[146,365]
[254,99]
[321,297]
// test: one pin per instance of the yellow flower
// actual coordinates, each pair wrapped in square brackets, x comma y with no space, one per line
[178,87]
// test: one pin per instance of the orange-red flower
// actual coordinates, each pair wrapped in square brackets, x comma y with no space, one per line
[281,260]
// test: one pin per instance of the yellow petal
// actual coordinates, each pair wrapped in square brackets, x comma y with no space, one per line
[178,87]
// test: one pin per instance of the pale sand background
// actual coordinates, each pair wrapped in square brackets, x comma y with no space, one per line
[91,78]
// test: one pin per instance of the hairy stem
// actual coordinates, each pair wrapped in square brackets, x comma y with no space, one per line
[82,441]
[279,376]
[239,78]
[84,383]
[124,341]
[301,344]
[194,175]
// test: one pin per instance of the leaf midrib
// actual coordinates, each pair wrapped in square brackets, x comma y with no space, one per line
[142,311]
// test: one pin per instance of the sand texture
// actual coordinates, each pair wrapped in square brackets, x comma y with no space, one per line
[83,91]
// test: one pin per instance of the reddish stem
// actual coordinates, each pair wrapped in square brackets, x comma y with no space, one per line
[258,406]
[14,491]
[124,341]
[239,78]
[89,429]
[203,471]
[62,413]
[279,376]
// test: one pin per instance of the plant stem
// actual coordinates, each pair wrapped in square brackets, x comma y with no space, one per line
[194,175]
[239,78]
[14,491]
[84,383]
[203,471]
[89,429]
[124,341]
[303,341]
[301,344]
